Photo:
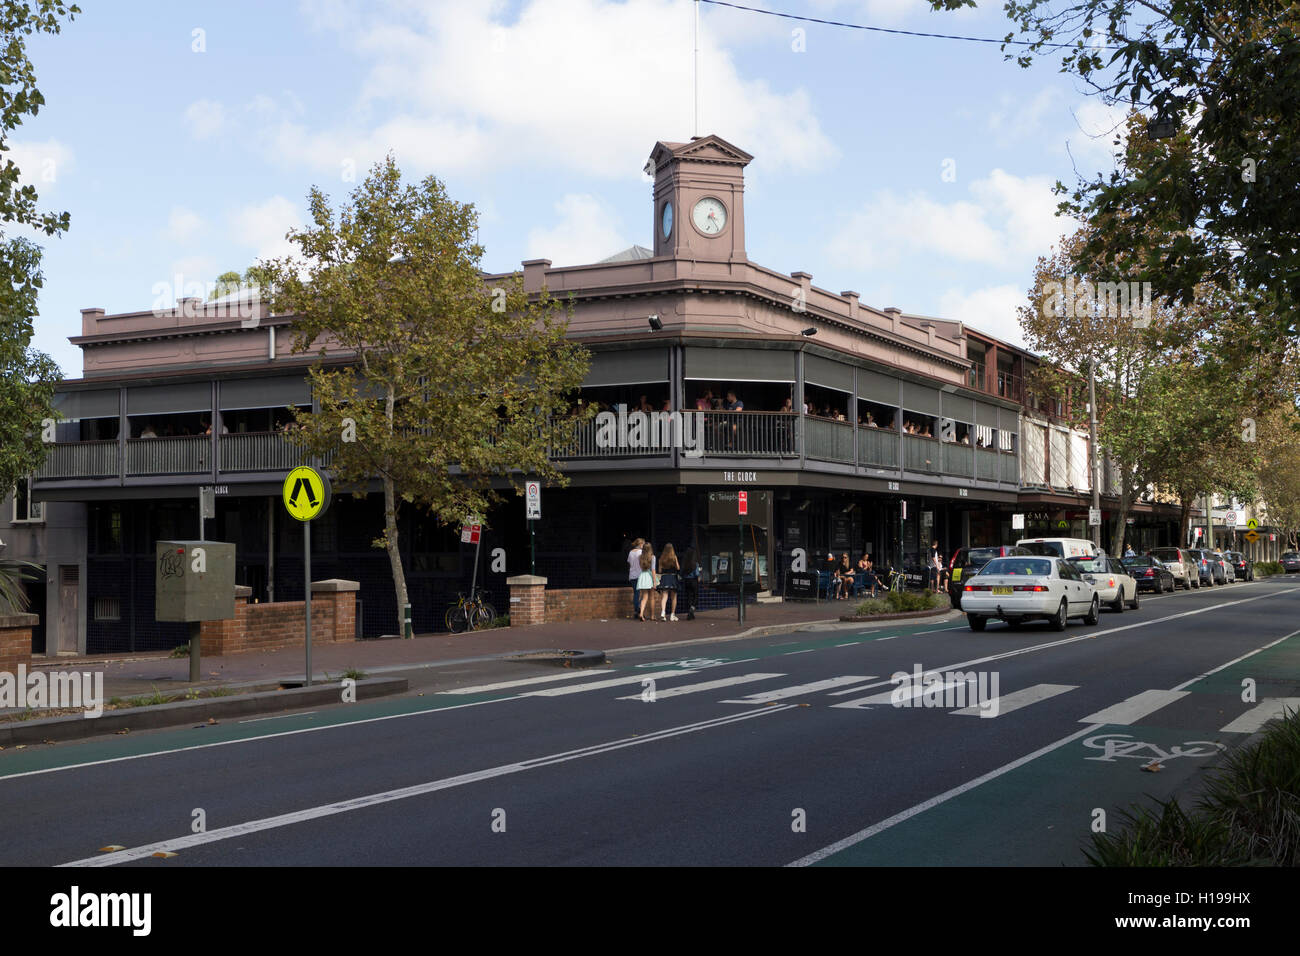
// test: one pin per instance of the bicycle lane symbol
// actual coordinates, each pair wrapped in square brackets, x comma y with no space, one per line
[1114,746]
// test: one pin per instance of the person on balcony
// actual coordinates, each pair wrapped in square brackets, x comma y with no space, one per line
[787,405]
[705,402]
[148,431]
[733,403]
[925,432]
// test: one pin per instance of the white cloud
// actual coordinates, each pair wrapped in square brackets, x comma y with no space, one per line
[587,232]
[1096,127]
[262,226]
[1008,220]
[188,276]
[586,84]
[1018,118]
[183,224]
[991,310]
[41,163]
[205,118]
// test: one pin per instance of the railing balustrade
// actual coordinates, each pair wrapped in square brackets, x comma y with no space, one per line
[986,464]
[261,451]
[958,459]
[878,447]
[168,456]
[921,454]
[828,440]
[85,459]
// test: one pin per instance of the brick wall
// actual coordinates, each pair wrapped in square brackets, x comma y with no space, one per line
[16,640]
[589,604]
[262,627]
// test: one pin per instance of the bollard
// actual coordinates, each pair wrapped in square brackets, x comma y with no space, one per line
[406,622]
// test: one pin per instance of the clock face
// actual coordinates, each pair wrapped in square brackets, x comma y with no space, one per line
[709,216]
[668,219]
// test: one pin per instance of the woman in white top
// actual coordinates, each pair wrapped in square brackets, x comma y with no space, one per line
[645,584]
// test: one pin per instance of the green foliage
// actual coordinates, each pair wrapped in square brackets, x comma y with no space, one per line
[454,381]
[1249,814]
[893,602]
[27,377]
[1264,569]
[1215,202]
[13,573]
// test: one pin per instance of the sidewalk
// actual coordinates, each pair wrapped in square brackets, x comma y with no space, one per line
[131,674]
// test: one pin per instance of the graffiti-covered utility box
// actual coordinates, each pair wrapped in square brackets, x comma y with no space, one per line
[194,581]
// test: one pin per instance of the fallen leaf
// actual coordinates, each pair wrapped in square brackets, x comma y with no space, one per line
[163,854]
[1153,767]
[213,720]
[124,730]
[111,848]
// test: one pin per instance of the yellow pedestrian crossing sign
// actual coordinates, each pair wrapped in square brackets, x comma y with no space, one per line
[1252,524]
[306,493]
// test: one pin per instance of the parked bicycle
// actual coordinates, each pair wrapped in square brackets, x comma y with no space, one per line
[470,612]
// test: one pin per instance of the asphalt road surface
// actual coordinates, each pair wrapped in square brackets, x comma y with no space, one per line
[792,749]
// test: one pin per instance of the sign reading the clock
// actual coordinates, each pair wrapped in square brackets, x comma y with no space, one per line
[709,216]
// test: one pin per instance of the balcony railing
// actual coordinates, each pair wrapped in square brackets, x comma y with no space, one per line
[828,440]
[1010,467]
[1010,386]
[737,434]
[878,447]
[261,451]
[169,456]
[922,454]
[85,459]
[975,377]
[958,459]
[987,466]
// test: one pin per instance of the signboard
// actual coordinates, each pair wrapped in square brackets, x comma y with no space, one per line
[1018,522]
[207,502]
[793,533]
[840,532]
[1252,524]
[743,502]
[801,586]
[469,533]
[306,493]
[1252,536]
[1063,524]
[533,499]
[1231,519]
[1199,532]
[1094,517]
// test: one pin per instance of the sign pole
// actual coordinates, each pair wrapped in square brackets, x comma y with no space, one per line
[532,547]
[306,587]
[740,569]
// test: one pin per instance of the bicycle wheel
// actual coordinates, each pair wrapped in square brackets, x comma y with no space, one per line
[484,615]
[489,611]
[459,620]
[446,618]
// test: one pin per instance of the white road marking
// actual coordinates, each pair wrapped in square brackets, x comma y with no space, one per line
[507,684]
[388,796]
[1135,708]
[1236,660]
[789,653]
[1266,710]
[944,797]
[906,692]
[849,644]
[612,682]
[707,685]
[253,720]
[798,690]
[1014,701]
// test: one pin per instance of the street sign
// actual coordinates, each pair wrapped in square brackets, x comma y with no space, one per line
[743,502]
[1231,519]
[1094,517]
[306,493]
[1252,524]
[1017,522]
[1199,532]
[470,533]
[1252,536]
[533,499]
[1063,524]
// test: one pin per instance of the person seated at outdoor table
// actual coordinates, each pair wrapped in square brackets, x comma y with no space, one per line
[965,439]
[925,433]
[839,416]
[705,402]
[668,405]
[733,403]
[149,432]
[786,406]
[843,578]
[869,578]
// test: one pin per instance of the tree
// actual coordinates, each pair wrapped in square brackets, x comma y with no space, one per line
[1220,82]
[226,283]
[452,383]
[27,376]
[1279,477]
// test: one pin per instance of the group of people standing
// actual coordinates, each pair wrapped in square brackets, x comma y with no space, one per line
[663,575]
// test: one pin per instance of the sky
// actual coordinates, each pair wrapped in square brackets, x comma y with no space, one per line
[183,138]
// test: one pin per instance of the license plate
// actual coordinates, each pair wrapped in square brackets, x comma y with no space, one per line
[1002,590]
[956,574]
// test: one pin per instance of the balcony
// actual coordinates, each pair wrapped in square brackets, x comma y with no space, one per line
[169,456]
[86,459]
[829,440]
[878,447]
[720,434]
[261,451]
[975,377]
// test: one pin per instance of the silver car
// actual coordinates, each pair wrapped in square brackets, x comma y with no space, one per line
[1181,564]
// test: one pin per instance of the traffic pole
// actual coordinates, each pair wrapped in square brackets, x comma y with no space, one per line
[306,588]
[740,570]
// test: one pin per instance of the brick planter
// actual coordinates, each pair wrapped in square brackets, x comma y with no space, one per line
[262,627]
[527,600]
[16,640]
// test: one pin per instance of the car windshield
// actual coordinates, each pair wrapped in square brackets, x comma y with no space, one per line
[1137,561]
[1165,554]
[981,556]
[1291,554]
[1089,564]
[1034,567]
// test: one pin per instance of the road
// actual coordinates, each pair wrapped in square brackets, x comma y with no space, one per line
[769,752]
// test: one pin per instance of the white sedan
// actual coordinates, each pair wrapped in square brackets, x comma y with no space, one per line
[1115,586]
[1016,590]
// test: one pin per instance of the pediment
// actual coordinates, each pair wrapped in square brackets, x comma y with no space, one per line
[708,149]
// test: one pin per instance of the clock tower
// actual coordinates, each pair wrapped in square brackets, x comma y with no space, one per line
[699,199]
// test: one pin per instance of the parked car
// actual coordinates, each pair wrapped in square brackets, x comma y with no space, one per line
[1149,573]
[1115,586]
[1229,575]
[967,562]
[1019,589]
[1181,565]
[1210,571]
[1241,565]
[1290,561]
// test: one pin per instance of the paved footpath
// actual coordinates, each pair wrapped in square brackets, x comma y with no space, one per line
[435,658]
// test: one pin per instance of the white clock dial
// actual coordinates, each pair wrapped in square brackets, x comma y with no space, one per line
[668,219]
[709,216]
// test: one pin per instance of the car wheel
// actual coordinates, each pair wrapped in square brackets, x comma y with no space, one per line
[1094,611]
[1118,605]
[976,622]
[1058,622]
[1133,604]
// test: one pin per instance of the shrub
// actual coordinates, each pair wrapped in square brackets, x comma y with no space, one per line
[895,603]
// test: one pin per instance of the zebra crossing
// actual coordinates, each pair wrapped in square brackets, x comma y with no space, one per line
[953,693]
